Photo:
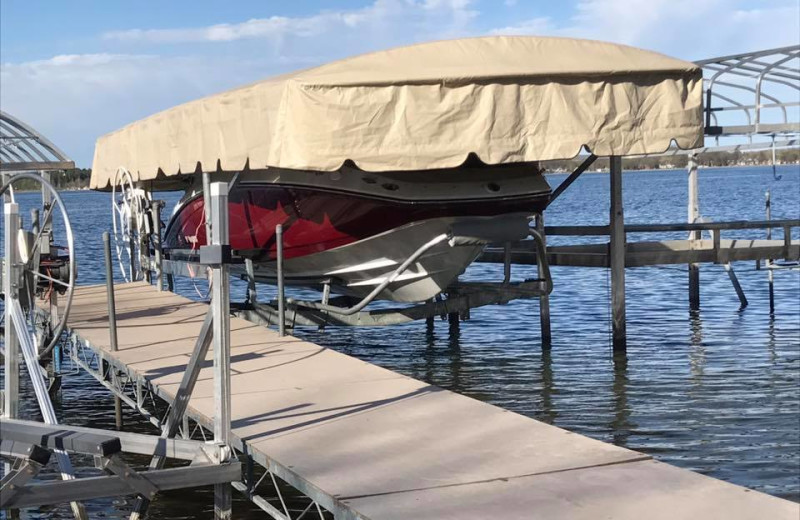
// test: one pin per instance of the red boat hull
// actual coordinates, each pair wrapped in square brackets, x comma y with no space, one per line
[315,221]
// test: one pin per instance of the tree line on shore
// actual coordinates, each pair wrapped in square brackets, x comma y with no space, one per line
[708,159]
[62,180]
[79,177]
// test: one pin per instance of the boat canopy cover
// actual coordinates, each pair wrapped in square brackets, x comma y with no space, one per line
[426,107]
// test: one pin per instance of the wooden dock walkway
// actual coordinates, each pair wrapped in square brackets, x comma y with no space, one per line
[368,443]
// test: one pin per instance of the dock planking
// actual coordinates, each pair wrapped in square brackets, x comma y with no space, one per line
[382,445]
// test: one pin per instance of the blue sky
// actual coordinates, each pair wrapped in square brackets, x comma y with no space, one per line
[76,70]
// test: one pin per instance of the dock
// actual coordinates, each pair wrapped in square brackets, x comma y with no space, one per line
[364,442]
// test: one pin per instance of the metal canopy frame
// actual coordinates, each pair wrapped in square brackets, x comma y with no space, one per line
[24,149]
[753,93]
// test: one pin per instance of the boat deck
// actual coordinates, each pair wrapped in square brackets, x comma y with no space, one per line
[374,444]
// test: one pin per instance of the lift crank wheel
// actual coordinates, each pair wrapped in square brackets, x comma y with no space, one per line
[45,269]
[128,205]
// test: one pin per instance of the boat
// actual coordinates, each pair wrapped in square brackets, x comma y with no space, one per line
[352,228]
[391,171]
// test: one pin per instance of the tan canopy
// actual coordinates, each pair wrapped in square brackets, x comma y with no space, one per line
[427,106]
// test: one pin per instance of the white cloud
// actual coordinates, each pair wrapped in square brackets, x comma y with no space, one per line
[408,14]
[73,99]
[534,26]
[689,29]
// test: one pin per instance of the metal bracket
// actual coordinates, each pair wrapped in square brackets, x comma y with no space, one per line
[215,254]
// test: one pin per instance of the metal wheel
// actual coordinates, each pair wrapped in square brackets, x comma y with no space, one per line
[127,216]
[47,264]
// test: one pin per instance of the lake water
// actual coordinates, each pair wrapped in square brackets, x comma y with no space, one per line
[715,391]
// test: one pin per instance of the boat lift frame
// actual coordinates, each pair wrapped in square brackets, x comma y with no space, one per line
[28,444]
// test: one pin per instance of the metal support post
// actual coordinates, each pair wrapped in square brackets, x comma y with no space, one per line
[281,295]
[220,305]
[132,246]
[155,212]
[693,216]
[544,299]
[177,413]
[112,318]
[507,262]
[617,256]
[40,387]
[206,177]
[10,287]
[145,263]
[736,285]
[770,273]
[252,294]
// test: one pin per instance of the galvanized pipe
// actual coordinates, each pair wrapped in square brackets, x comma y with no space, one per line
[112,312]
[693,215]
[543,272]
[40,389]
[377,290]
[770,274]
[281,295]
[112,317]
[10,287]
[617,256]
[220,307]
[155,209]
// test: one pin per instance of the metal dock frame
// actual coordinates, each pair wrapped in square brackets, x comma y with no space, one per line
[28,444]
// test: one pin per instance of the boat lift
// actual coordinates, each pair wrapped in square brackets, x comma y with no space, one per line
[34,267]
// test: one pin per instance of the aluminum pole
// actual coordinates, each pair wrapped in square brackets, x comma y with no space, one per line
[155,209]
[220,308]
[770,274]
[281,295]
[693,211]
[112,318]
[10,287]
[544,299]
[617,256]
[207,204]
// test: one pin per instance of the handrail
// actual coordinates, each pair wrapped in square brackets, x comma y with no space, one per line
[377,290]
[655,228]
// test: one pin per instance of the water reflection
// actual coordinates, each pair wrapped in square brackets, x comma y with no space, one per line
[454,355]
[697,350]
[548,412]
[621,425]
[771,340]
[443,367]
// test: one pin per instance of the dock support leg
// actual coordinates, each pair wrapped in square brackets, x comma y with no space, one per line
[617,257]
[112,318]
[454,321]
[155,212]
[17,340]
[736,286]
[132,246]
[11,363]
[281,293]
[252,295]
[220,307]
[177,412]
[693,216]
[544,300]
[770,274]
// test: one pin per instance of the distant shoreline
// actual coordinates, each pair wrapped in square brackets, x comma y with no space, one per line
[564,172]
[655,170]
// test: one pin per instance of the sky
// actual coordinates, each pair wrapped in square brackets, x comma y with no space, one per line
[78,69]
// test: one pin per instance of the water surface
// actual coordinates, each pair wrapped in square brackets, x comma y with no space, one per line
[715,391]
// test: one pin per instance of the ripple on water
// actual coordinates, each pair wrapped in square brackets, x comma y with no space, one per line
[715,391]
